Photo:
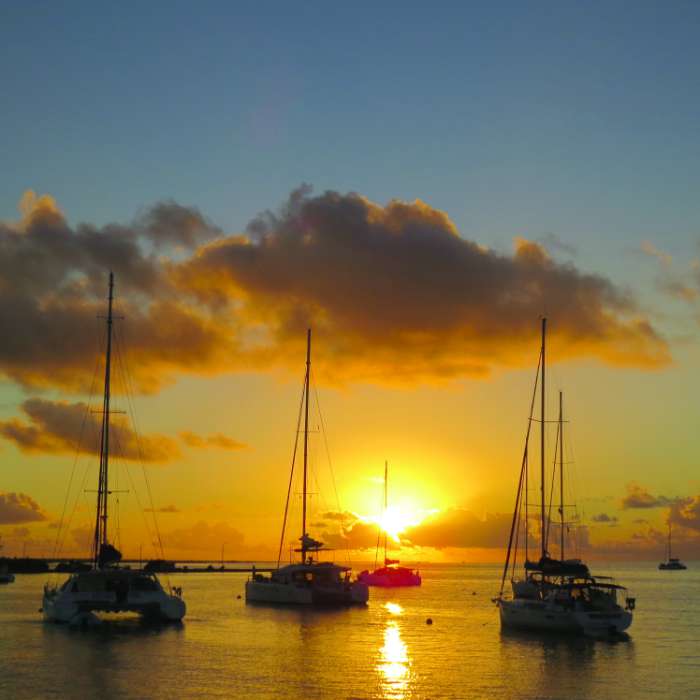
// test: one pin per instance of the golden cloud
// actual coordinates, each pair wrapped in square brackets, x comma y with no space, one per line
[217,440]
[59,427]
[394,294]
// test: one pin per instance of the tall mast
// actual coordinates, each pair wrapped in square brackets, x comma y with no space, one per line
[561,472]
[306,441]
[386,500]
[542,441]
[103,482]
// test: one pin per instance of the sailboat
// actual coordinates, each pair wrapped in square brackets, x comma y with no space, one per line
[555,595]
[107,587]
[671,563]
[390,575]
[308,582]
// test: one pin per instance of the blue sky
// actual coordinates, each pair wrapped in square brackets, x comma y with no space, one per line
[574,118]
[515,118]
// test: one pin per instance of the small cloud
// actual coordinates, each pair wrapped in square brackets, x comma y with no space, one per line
[19,508]
[649,249]
[639,497]
[686,512]
[555,244]
[216,440]
[604,518]
[60,427]
[338,516]
[163,509]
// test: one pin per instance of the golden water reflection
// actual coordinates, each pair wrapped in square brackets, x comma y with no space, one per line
[394,662]
[394,608]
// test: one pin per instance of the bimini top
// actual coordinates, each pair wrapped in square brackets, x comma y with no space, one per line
[555,567]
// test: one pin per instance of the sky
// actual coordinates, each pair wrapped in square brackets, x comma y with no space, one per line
[417,184]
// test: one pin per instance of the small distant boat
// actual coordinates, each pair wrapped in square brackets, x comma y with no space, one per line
[391,575]
[5,575]
[555,595]
[308,582]
[106,587]
[671,563]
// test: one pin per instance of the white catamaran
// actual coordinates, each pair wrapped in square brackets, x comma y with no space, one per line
[106,587]
[390,575]
[556,595]
[308,582]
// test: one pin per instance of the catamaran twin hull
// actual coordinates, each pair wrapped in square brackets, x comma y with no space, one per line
[542,616]
[84,594]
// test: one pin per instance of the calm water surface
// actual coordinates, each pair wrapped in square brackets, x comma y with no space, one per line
[228,649]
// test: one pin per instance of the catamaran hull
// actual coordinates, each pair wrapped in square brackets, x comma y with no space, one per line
[536,617]
[67,608]
[289,594]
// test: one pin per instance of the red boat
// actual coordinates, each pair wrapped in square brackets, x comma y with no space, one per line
[391,575]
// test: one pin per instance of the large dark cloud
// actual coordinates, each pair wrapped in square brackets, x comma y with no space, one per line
[53,281]
[58,427]
[393,293]
[19,508]
[457,527]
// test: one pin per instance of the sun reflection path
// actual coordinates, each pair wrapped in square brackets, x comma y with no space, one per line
[394,608]
[394,662]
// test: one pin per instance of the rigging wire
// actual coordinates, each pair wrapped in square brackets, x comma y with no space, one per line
[523,471]
[330,467]
[291,474]
[80,492]
[78,447]
[126,374]
[551,492]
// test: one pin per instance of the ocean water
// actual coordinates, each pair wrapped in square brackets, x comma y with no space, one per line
[228,649]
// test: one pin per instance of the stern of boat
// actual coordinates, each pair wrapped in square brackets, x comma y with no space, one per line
[172,608]
[359,592]
[57,607]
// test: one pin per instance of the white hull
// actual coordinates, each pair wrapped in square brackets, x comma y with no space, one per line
[111,591]
[280,593]
[292,594]
[541,616]
[64,607]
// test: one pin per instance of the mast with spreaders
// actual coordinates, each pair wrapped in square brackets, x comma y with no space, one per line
[101,543]
[542,444]
[304,535]
[386,503]
[561,471]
